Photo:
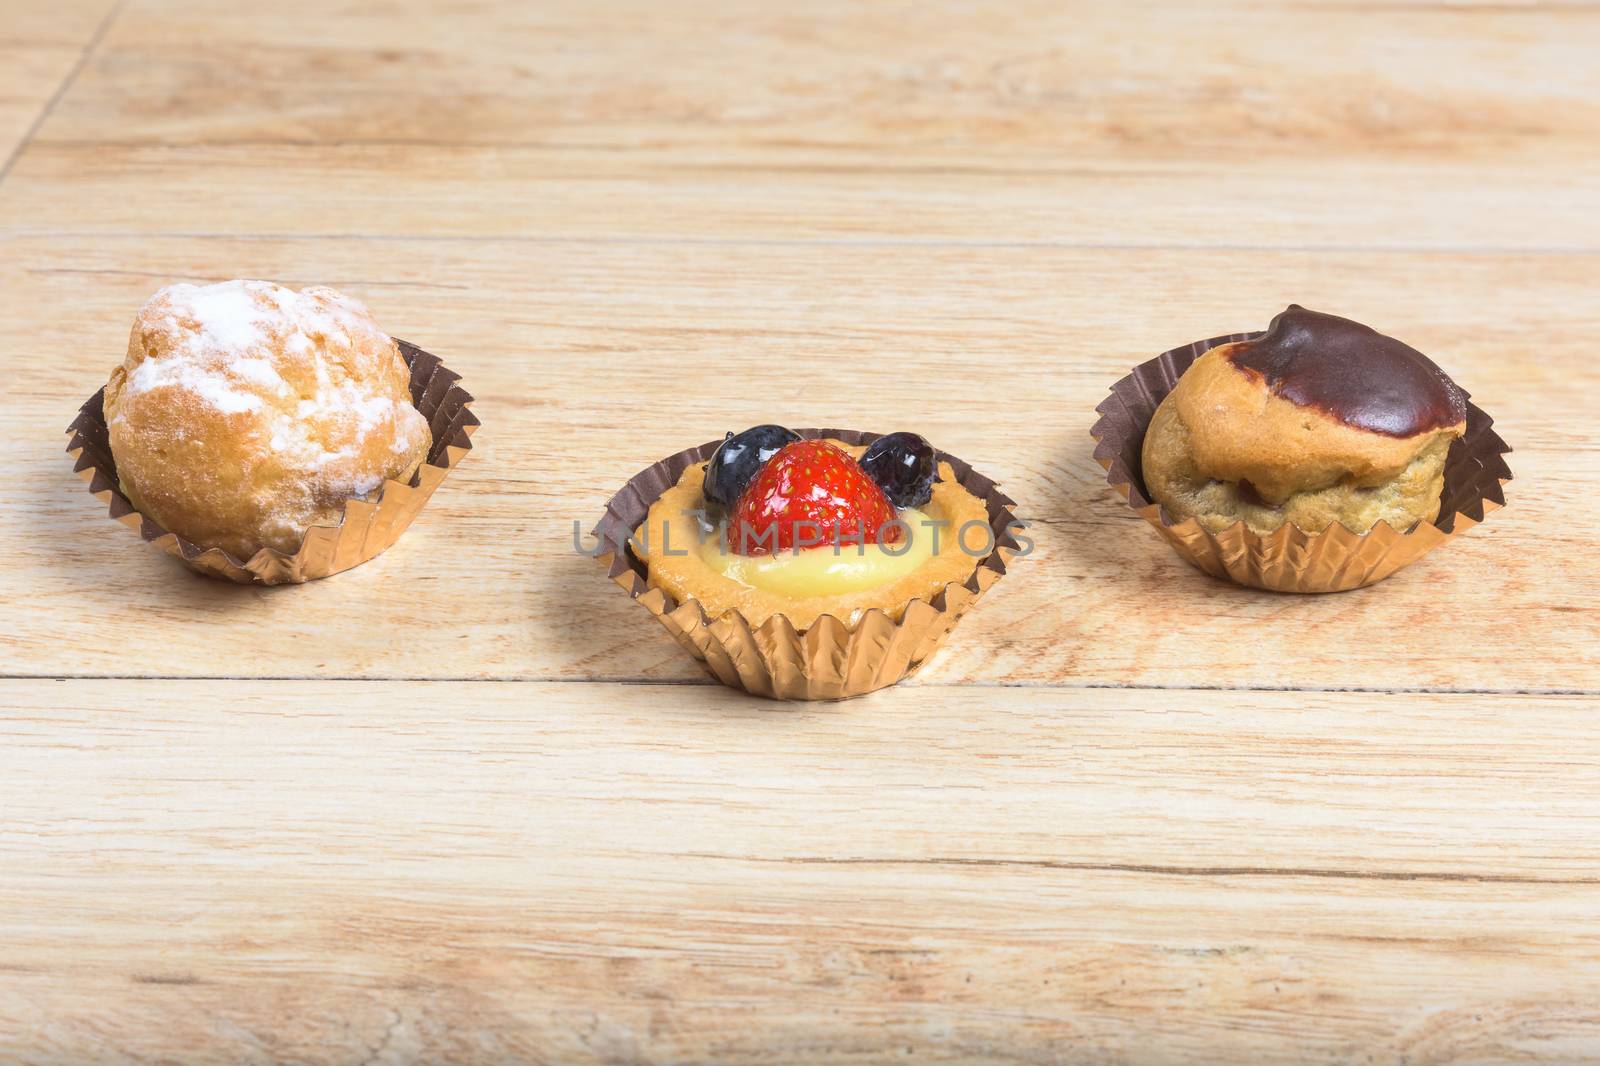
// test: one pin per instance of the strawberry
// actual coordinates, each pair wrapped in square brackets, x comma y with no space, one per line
[810,493]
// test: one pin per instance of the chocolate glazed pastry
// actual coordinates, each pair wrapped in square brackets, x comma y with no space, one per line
[1317,456]
[1321,420]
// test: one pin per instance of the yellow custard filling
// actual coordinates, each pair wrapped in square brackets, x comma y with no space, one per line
[826,570]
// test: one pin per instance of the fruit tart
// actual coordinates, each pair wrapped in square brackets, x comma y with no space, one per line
[810,564]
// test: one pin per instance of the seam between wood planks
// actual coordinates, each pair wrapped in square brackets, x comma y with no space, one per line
[814,242]
[1332,873]
[695,682]
[685,162]
[67,82]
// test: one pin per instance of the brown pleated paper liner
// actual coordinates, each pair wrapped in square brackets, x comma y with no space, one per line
[833,659]
[366,529]
[1289,560]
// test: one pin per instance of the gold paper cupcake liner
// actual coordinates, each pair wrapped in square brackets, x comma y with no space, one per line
[366,529]
[1288,559]
[832,659]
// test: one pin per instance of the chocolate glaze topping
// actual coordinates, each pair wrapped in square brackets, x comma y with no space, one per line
[1353,373]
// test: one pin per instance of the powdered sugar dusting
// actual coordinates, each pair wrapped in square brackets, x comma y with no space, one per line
[402,440]
[365,486]
[213,389]
[258,372]
[227,315]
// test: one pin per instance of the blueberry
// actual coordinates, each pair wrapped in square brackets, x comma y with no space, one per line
[903,466]
[738,458]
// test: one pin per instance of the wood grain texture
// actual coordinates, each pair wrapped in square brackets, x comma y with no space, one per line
[41,48]
[1160,79]
[1124,817]
[1448,126]
[313,872]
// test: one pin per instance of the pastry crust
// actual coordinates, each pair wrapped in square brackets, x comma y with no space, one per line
[1223,448]
[668,531]
[246,412]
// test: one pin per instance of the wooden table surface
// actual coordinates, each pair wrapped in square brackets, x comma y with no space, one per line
[468,803]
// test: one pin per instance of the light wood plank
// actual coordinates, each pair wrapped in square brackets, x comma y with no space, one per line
[28,75]
[55,23]
[319,872]
[1405,126]
[392,191]
[998,355]
[1166,80]
[40,44]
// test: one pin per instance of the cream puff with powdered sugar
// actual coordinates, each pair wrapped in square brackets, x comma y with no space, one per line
[247,412]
